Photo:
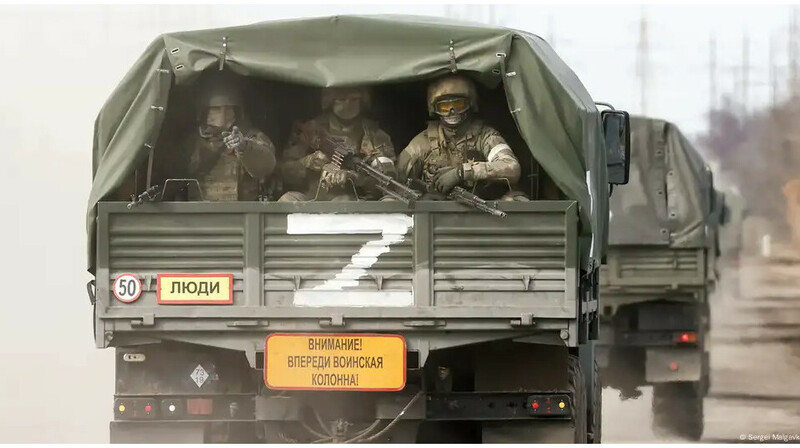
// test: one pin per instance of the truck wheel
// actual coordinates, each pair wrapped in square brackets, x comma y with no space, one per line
[577,387]
[596,409]
[678,410]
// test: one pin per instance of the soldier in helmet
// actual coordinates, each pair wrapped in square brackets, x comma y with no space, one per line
[457,149]
[309,171]
[227,156]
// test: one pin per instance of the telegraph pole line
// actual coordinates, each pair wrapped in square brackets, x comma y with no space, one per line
[773,71]
[551,35]
[643,63]
[792,50]
[712,72]
[745,90]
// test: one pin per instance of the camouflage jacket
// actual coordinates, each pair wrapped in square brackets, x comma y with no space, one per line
[481,150]
[365,136]
[223,175]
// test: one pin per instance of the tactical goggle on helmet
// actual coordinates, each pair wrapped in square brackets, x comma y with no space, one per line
[456,88]
[457,104]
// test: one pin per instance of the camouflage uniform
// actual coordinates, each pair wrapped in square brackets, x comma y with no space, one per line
[304,164]
[228,171]
[479,152]
[226,176]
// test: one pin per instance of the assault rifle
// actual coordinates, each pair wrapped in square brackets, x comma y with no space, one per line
[346,159]
[461,195]
[149,195]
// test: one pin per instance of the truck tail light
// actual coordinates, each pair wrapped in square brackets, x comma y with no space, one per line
[199,406]
[688,337]
[554,405]
[135,409]
[172,408]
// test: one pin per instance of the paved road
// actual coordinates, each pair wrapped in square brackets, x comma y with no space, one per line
[755,362]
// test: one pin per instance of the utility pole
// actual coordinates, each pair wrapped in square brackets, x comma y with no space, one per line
[745,72]
[551,34]
[643,63]
[712,73]
[792,50]
[773,72]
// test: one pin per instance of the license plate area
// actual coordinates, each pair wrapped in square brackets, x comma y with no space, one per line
[335,361]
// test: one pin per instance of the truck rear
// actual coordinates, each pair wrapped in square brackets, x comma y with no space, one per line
[660,270]
[353,322]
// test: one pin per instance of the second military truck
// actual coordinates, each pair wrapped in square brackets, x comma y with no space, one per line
[660,269]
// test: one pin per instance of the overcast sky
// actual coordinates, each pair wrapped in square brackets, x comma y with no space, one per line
[61,63]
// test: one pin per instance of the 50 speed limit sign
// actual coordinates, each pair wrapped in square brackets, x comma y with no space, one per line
[127,288]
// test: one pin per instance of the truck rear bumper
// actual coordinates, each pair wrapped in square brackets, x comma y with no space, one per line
[157,432]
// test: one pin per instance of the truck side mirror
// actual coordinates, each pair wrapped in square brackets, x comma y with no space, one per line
[617,131]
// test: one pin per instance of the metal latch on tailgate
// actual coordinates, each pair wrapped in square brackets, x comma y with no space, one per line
[147,320]
[336,320]
[525,320]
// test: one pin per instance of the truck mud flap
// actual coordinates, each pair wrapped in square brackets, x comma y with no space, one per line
[670,364]
[157,432]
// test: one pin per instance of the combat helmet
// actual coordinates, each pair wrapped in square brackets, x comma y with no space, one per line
[452,85]
[216,93]
[221,94]
[331,93]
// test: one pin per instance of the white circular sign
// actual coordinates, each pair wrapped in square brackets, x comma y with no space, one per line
[127,288]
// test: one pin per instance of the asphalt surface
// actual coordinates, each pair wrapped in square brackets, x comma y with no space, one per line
[755,361]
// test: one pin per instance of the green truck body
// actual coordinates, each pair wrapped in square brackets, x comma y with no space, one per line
[496,315]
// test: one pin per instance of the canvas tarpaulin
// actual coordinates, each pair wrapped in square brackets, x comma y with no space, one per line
[553,111]
[667,200]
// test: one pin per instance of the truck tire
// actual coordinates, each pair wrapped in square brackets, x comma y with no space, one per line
[678,410]
[577,387]
[595,419]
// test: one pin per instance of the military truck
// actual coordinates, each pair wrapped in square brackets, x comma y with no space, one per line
[660,270]
[352,321]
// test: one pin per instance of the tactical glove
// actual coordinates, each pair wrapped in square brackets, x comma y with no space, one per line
[333,176]
[448,178]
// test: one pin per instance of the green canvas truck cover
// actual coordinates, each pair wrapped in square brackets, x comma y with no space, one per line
[553,111]
[668,198]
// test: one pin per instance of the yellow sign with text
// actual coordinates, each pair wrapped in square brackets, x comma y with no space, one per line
[195,289]
[365,362]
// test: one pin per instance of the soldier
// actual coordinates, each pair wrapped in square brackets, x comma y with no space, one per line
[308,169]
[457,149]
[228,157]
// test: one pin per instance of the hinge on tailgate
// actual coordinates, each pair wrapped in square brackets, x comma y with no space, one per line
[525,320]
